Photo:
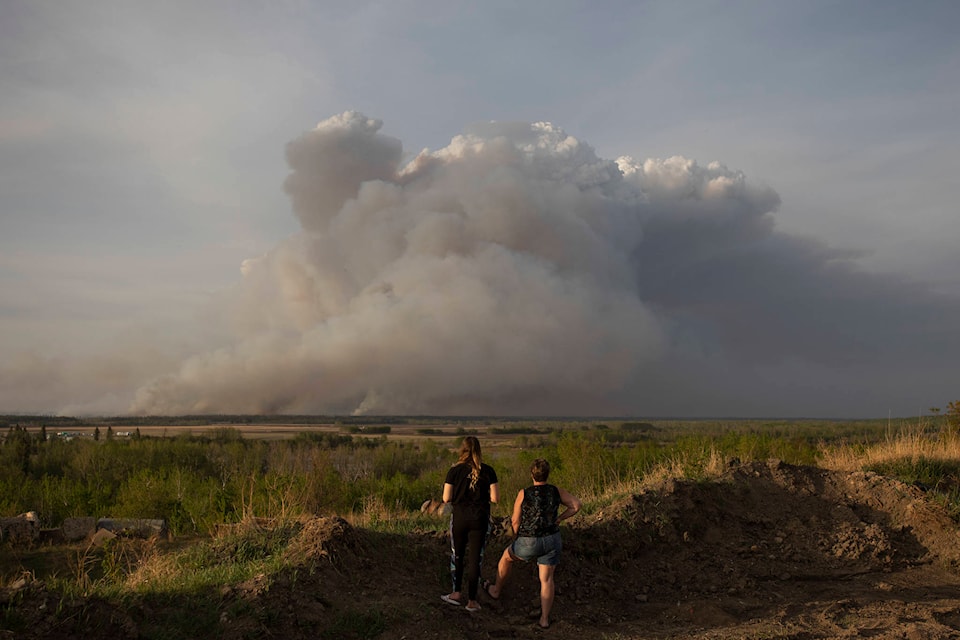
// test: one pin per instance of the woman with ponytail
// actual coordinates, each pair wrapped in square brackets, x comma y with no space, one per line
[470,487]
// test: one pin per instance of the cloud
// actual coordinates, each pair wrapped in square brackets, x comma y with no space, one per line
[515,271]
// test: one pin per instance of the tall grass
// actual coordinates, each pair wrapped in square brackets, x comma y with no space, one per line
[919,454]
[910,443]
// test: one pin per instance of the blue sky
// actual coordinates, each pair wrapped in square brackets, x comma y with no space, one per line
[142,160]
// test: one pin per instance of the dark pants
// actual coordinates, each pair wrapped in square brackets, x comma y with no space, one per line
[468,535]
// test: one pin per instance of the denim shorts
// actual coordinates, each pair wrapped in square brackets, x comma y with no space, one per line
[546,549]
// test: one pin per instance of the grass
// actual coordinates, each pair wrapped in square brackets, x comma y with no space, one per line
[171,580]
[179,583]
[910,443]
[921,453]
[916,455]
[600,469]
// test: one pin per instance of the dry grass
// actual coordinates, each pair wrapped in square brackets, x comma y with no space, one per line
[377,514]
[911,445]
[700,466]
[155,568]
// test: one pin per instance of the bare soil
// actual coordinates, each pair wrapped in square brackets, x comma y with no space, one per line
[768,550]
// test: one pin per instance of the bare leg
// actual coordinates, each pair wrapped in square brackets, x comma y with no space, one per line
[547,589]
[503,572]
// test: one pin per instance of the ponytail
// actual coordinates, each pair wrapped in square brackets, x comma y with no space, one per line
[470,454]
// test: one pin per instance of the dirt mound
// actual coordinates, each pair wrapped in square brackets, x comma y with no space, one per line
[766,550]
[770,521]
[322,538]
[35,612]
[764,539]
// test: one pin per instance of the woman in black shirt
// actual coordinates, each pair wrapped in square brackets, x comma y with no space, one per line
[470,487]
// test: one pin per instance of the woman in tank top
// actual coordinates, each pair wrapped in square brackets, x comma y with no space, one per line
[536,520]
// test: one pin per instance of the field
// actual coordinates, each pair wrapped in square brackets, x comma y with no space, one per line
[707,529]
[416,430]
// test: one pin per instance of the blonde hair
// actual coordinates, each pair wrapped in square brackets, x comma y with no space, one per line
[470,454]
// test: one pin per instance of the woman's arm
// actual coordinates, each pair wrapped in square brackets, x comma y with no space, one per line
[495,492]
[515,518]
[447,492]
[571,502]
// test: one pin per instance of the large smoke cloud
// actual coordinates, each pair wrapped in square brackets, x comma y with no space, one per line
[514,271]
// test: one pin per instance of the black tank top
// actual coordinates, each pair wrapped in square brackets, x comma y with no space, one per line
[538,511]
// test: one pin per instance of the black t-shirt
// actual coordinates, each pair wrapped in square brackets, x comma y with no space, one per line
[465,500]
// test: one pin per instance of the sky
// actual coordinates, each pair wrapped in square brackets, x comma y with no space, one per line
[661,209]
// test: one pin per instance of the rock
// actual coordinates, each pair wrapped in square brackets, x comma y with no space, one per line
[101,537]
[134,527]
[75,529]
[22,529]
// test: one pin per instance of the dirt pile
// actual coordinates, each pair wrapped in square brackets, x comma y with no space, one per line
[767,550]
[768,521]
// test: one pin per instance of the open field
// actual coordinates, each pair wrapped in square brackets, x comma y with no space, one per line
[691,529]
[499,428]
[281,431]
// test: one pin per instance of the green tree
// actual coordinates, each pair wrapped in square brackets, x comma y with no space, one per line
[21,445]
[953,416]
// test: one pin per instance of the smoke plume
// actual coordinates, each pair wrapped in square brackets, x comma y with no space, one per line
[515,272]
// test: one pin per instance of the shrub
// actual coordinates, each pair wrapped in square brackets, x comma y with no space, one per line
[953,416]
